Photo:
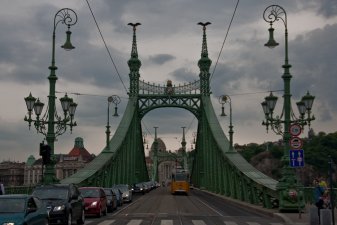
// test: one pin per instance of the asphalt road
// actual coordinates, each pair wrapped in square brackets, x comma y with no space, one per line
[159,207]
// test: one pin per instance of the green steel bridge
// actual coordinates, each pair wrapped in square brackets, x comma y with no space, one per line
[216,167]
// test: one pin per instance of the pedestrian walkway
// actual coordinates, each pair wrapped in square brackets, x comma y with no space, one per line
[301,218]
[291,218]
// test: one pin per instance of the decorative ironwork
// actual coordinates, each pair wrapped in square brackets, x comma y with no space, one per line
[115,99]
[204,63]
[273,13]
[281,124]
[189,102]
[147,88]
[55,124]
[223,99]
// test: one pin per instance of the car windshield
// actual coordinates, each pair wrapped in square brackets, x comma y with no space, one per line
[123,188]
[115,190]
[181,177]
[52,193]
[14,205]
[89,193]
[107,192]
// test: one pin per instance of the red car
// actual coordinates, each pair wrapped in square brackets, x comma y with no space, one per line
[95,201]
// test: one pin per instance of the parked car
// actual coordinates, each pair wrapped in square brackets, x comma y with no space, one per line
[22,209]
[126,192]
[111,199]
[95,201]
[119,196]
[138,188]
[64,203]
[146,187]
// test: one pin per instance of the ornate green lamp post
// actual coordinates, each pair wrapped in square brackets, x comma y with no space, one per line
[115,100]
[56,125]
[155,156]
[281,124]
[223,99]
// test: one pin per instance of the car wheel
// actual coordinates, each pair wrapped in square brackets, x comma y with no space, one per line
[82,219]
[105,211]
[100,213]
[69,219]
[45,222]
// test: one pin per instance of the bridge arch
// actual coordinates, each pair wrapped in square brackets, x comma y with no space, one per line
[190,103]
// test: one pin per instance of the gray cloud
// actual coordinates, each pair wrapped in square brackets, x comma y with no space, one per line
[161,58]
[327,8]
[169,43]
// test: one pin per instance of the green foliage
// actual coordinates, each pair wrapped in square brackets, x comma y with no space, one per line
[317,152]
[276,151]
[250,150]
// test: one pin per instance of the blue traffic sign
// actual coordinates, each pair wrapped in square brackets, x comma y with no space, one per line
[296,158]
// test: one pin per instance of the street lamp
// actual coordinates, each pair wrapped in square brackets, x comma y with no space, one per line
[50,118]
[194,134]
[116,100]
[281,124]
[223,99]
[144,140]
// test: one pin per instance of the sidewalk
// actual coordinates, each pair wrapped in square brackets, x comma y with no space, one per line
[288,218]
[300,219]
[294,218]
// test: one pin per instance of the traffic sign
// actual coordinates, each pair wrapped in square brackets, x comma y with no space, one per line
[295,129]
[296,158]
[296,143]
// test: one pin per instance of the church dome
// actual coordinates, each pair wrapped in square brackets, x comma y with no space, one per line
[161,145]
[31,160]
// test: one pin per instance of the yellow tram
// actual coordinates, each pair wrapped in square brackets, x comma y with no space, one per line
[180,182]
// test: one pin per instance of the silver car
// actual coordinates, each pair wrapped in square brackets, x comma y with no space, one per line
[126,192]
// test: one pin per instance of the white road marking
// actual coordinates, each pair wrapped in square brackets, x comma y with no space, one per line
[106,222]
[230,223]
[166,222]
[134,222]
[198,222]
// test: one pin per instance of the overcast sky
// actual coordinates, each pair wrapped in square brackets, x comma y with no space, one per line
[169,46]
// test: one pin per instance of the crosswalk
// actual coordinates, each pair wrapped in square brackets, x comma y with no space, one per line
[172,222]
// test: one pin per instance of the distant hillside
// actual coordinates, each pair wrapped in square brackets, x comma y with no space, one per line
[266,157]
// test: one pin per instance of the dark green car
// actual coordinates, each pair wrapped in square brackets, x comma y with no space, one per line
[64,203]
[22,210]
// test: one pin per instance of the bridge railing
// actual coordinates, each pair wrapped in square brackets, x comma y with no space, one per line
[19,189]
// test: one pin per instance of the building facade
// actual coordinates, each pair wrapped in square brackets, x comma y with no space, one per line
[29,173]
[12,173]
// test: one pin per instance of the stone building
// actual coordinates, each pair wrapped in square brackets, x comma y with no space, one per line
[11,173]
[29,173]
[66,164]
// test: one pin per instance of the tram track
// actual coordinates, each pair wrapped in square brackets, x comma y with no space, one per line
[197,208]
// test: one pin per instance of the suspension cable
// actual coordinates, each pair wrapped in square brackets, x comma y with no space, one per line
[223,43]
[106,47]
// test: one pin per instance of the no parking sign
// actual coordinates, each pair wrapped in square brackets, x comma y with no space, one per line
[295,129]
[296,143]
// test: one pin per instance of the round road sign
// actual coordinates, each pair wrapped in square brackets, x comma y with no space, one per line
[295,129]
[296,143]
